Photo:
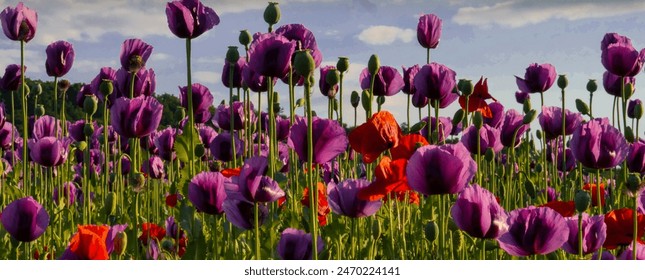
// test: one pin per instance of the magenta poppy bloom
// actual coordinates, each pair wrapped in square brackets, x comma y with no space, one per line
[206,134]
[419,100]
[325,88]
[596,144]
[534,231]
[254,81]
[252,185]
[429,31]
[60,57]
[477,213]
[76,128]
[497,109]
[270,55]
[220,147]
[145,83]
[489,137]
[408,78]
[165,142]
[388,81]
[106,73]
[19,23]
[207,193]
[237,73]
[302,37]
[134,54]
[137,117]
[445,128]
[5,135]
[613,84]
[282,126]
[619,56]
[69,192]
[445,169]
[222,116]
[329,139]
[521,96]
[112,236]
[49,151]
[538,78]
[636,157]
[25,219]
[435,81]
[12,78]
[513,121]
[628,254]
[202,101]
[343,198]
[190,18]
[241,213]
[551,121]
[296,244]
[153,167]
[46,126]
[594,232]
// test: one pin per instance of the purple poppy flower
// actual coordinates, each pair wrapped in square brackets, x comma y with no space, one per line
[153,167]
[551,121]
[190,18]
[106,73]
[206,192]
[12,78]
[445,101]
[137,117]
[237,73]
[498,115]
[477,213]
[49,151]
[69,191]
[302,38]
[329,139]
[134,54]
[60,57]
[172,229]
[429,31]
[435,81]
[613,38]
[636,157]
[534,231]
[282,126]
[631,108]
[165,142]
[343,199]
[606,256]
[25,219]
[489,138]
[46,126]
[538,78]
[206,134]
[521,96]
[110,242]
[296,244]
[445,127]
[144,83]
[5,135]
[76,130]
[456,129]
[445,169]
[408,78]
[628,254]
[325,88]
[252,185]
[222,116]
[613,84]
[241,213]
[596,144]
[153,251]
[202,101]
[419,100]
[270,55]
[253,80]
[19,23]
[621,58]
[594,232]
[220,147]
[388,81]
[513,121]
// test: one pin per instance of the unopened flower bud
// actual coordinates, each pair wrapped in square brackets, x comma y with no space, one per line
[373,65]
[109,208]
[458,117]
[355,99]
[529,186]
[563,82]
[365,100]
[64,85]
[304,63]
[137,181]
[38,89]
[120,243]
[90,104]
[380,100]
[343,64]
[592,86]
[526,106]
[180,114]
[232,55]
[478,120]
[490,155]
[81,146]
[629,134]
[199,150]
[529,117]
[628,91]
[431,231]
[582,200]
[582,107]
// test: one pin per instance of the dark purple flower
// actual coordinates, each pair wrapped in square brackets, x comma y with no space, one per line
[329,139]
[202,101]
[613,84]
[296,244]
[619,56]
[596,144]
[60,57]
[419,100]
[165,143]
[68,191]
[241,213]
[534,231]
[19,23]
[252,185]
[408,78]
[445,169]
[222,116]
[206,134]
[538,78]
[302,38]
[237,73]
[325,88]
[137,117]
[5,135]
[343,199]
[207,193]
[49,151]
[445,128]
[46,126]
[25,219]
[631,107]
[612,38]
[477,213]
[594,232]
[106,73]
[435,81]
[636,157]
[153,167]
[489,137]
[112,236]
[551,121]
[498,115]
[85,91]
[144,83]
[190,18]
[606,256]
[253,80]
[134,54]
[220,147]
[445,101]
[12,78]
[388,81]
[270,55]
[429,31]
[76,130]
[521,96]
[628,254]
[513,122]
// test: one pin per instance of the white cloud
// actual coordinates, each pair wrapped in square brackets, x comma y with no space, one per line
[206,77]
[385,35]
[519,13]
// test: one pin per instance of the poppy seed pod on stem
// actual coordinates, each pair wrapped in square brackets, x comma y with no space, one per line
[562,81]
[582,200]
[466,87]
[343,64]
[592,86]
[355,99]
[272,13]
[232,55]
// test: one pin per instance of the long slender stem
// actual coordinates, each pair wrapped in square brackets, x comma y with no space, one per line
[256,222]
[580,252]
[191,115]
[56,96]
[310,171]
[232,112]
[564,146]
[25,124]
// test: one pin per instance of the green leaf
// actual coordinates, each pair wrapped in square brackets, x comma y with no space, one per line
[183,144]
[417,127]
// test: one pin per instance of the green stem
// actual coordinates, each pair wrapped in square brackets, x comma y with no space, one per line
[25,123]
[56,95]
[313,188]
[232,112]
[191,115]
[580,252]
[564,146]
[256,223]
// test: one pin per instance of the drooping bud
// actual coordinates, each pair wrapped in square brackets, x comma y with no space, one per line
[563,82]
[304,63]
[343,64]
[120,243]
[355,99]
[40,110]
[272,13]
[582,200]
[592,86]
[106,87]
[529,186]
[431,231]
[232,55]
[529,117]
[245,38]
[63,85]
[137,180]
[88,129]
[629,134]
[373,65]
[526,106]
[628,91]
[365,100]
[458,117]
[478,120]
[109,208]
[582,107]
[38,89]
[380,100]
[180,114]
[90,104]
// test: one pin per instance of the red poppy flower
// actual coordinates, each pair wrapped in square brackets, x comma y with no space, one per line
[594,193]
[89,242]
[323,206]
[408,144]
[375,136]
[151,231]
[390,177]
[565,208]
[477,100]
[620,228]
[230,172]
[171,200]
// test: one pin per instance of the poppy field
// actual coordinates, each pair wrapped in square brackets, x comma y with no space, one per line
[261,180]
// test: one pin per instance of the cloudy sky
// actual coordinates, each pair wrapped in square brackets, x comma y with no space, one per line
[494,39]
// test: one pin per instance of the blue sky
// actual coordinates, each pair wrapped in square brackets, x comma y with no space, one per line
[494,39]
